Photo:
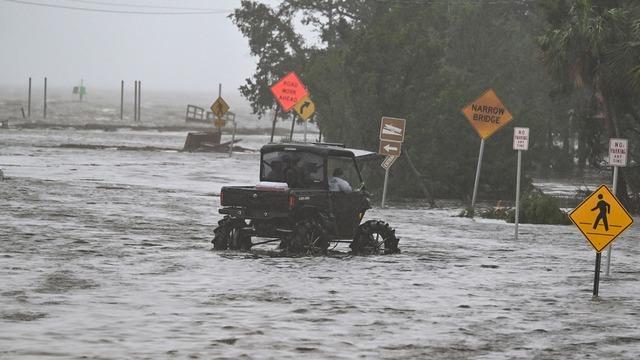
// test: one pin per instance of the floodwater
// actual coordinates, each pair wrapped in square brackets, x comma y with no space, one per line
[105,254]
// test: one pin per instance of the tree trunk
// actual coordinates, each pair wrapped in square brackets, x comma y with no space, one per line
[420,182]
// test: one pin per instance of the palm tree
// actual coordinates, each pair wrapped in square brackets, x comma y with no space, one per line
[577,52]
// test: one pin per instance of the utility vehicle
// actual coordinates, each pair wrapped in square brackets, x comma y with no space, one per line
[309,196]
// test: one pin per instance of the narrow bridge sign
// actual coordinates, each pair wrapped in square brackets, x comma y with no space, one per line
[601,218]
[487,114]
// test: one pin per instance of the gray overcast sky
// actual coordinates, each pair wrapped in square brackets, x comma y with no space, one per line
[166,52]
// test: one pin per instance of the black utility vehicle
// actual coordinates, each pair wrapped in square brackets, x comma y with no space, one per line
[309,196]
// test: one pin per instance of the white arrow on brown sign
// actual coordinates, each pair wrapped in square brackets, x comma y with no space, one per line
[390,148]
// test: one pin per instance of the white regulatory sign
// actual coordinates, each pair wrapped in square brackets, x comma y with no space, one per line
[520,138]
[388,161]
[618,152]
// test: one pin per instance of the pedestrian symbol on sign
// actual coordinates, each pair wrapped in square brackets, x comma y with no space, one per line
[601,218]
[605,209]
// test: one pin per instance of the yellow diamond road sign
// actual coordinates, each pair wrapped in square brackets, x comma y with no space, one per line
[305,108]
[219,122]
[219,107]
[601,218]
[487,114]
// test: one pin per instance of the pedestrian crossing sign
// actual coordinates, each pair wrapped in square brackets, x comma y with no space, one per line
[601,218]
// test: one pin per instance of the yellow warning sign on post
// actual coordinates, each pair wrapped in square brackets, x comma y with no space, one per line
[601,218]
[487,114]
[219,107]
[305,108]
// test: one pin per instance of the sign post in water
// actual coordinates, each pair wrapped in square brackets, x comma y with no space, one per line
[487,114]
[520,143]
[617,158]
[391,138]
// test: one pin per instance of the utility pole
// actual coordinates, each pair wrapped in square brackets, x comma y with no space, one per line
[135,101]
[29,102]
[121,99]
[44,111]
[139,98]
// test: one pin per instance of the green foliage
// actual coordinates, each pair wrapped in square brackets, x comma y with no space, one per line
[554,63]
[539,208]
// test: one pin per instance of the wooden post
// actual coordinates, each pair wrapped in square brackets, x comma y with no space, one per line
[273,126]
[135,100]
[293,123]
[121,99]
[139,98]
[44,110]
[29,102]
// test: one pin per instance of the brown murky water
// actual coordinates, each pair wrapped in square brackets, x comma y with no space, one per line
[105,254]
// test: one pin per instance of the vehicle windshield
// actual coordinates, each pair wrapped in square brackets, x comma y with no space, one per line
[297,169]
[345,169]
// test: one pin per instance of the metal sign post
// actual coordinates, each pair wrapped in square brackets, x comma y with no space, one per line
[487,114]
[520,143]
[219,108]
[617,157]
[386,165]
[384,189]
[601,218]
[392,132]
[518,172]
[477,180]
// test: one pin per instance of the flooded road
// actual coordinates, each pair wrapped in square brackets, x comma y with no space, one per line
[105,254]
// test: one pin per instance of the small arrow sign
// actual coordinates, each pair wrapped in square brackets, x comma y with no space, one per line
[305,108]
[389,148]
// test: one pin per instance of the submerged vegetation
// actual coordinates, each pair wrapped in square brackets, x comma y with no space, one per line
[568,69]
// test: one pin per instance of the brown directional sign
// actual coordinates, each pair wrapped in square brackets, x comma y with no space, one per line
[390,148]
[487,114]
[601,218]
[392,129]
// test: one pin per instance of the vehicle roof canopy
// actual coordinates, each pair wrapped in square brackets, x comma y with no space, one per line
[322,149]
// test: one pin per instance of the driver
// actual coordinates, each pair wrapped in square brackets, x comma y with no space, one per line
[336,183]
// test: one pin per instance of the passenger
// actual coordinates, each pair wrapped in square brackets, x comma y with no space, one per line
[293,173]
[336,183]
[277,171]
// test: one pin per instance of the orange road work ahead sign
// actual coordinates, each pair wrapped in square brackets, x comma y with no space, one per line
[601,218]
[487,114]
[288,91]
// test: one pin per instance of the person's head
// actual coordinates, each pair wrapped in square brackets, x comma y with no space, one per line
[337,172]
[600,196]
